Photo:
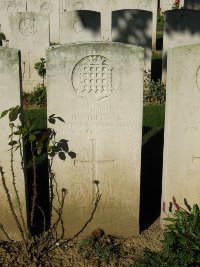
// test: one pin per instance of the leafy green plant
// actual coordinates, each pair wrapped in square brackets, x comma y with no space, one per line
[37,97]
[181,244]
[41,69]
[99,248]
[154,91]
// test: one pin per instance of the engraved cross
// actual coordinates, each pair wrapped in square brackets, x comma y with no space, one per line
[195,158]
[94,160]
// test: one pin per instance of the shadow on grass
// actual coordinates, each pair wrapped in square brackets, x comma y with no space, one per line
[156,69]
[151,180]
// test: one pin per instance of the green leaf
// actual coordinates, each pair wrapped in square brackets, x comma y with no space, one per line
[32,138]
[4,113]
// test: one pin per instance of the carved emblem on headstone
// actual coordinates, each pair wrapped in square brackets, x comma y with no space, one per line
[12,8]
[46,8]
[183,22]
[78,25]
[27,26]
[111,3]
[78,6]
[198,78]
[143,4]
[93,77]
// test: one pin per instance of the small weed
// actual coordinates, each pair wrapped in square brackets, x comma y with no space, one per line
[41,69]
[37,97]
[154,91]
[100,248]
[181,244]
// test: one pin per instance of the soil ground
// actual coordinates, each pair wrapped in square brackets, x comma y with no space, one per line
[71,255]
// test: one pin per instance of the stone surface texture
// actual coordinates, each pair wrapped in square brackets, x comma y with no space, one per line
[30,34]
[10,96]
[107,6]
[181,27]
[97,88]
[50,8]
[181,163]
[134,27]
[81,25]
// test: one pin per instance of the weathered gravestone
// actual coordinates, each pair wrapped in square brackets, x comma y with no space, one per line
[134,27]
[30,34]
[81,25]
[10,96]
[194,4]
[50,8]
[168,4]
[181,27]
[97,89]
[8,7]
[181,167]
[107,6]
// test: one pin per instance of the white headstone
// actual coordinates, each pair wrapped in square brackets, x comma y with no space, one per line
[81,25]
[97,88]
[30,34]
[194,4]
[10,96]
[181,163]
[134,27]
[181,27]
[107,6]
[168,4]
[50,8]
[8,7]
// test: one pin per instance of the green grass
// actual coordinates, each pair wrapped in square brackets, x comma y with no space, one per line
[39,116]
[153,121]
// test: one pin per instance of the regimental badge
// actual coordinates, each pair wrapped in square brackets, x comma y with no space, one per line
[93,77]
[27,26]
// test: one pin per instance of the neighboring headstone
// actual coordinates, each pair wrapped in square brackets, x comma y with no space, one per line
[168,4]
[81,25]
[194,4]
[181,163]
[30,34]
[181,27]
[50,8]
[10,96]
[134,27]
[97,88]
[107,6]
[8,7]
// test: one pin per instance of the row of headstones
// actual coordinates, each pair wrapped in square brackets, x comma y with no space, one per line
[30,34]
[56,8]
[97,89]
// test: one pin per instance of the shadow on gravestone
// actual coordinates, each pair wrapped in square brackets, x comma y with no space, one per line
[151,179]
[181,27]
[192,4]
[134,27]
[79,25]
[90,19]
